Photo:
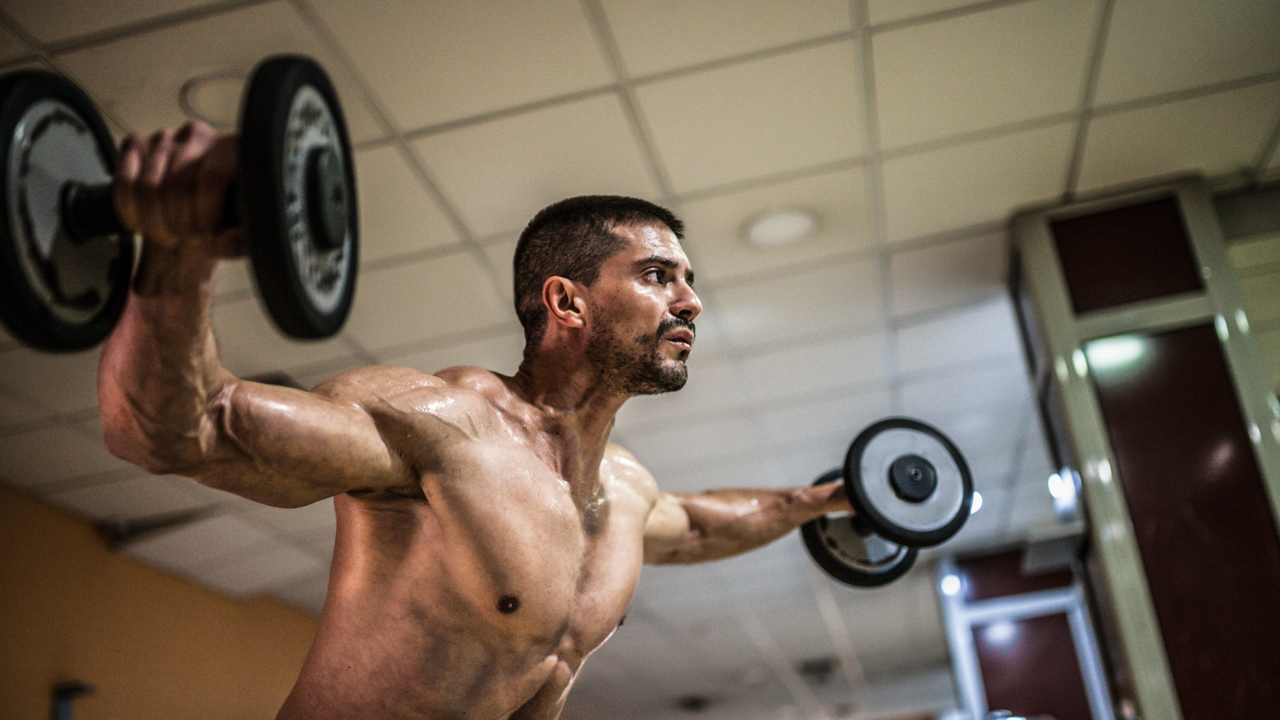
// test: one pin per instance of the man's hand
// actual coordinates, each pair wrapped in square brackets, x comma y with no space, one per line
[172,188]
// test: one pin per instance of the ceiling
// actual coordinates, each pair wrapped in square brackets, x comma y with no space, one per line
[912,128]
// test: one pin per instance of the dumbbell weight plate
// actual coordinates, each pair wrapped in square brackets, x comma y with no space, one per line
[297,196]
[840,545]
[56,293]
[888,471]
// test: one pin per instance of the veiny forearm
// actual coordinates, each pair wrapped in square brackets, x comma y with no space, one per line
[159,374]
[723,523]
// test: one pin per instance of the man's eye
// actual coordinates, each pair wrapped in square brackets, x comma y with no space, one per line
[654,275]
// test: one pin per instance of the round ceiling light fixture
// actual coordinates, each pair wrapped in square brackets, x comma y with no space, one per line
[780,227]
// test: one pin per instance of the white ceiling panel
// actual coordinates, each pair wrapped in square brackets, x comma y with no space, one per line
[883,11]
[64,382]
[500,354]
[193,548]
[501,254]
[397,216]
[15,409]
[11,47]
[307,592]
[499,173]
[670,448]
[658,35]
[250,344]
[1214,134]
[305,521]
[125,77]
[954,273]
[978,182]
[817,367]
[51,20]
[782,307]
[994,386]
[714,225]
[1161,46]
[757,118]
[422,300]
[983,333]
[433,62]
[37,459]
[265,568]
[838,419]
[130,499]
[935,80]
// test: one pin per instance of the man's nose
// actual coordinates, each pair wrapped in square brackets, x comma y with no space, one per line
[687,306]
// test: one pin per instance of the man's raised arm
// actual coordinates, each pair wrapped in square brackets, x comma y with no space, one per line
[167,403]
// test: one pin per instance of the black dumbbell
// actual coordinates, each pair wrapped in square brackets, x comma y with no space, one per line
[65,260]
[909,487]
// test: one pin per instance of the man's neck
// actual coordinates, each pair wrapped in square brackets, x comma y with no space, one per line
[574,410]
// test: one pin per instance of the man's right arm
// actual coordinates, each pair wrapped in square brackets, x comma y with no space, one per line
[167,404]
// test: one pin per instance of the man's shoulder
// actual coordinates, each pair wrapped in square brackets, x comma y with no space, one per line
[393,384]
[620,465]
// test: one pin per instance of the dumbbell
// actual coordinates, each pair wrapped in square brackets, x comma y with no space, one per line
[65,260]
[909,487]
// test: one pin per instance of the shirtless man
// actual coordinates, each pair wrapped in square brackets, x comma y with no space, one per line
[489,537]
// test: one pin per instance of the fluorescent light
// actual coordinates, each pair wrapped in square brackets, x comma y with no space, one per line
[1116,353]
[776,228]
[950,584]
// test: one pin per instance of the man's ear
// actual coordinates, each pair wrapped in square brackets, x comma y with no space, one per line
[565,302]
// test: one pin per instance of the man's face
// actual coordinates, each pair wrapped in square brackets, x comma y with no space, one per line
[642,309]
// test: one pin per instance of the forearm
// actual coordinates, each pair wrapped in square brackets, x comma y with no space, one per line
[723,523]
[159,374]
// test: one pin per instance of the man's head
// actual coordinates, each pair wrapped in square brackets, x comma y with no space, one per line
[564,249]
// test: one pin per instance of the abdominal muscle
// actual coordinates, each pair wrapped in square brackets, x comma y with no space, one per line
[414,625]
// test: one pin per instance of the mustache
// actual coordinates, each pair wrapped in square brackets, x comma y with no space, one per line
[674,322]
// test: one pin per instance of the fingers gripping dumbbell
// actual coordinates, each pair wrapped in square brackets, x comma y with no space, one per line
[66,261]
[909,488]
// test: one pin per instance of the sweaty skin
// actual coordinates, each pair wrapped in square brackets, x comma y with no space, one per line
[489,537]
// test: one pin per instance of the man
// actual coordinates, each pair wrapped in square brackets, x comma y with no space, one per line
[489,537]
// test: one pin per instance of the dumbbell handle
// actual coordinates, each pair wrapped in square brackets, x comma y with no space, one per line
[89,211]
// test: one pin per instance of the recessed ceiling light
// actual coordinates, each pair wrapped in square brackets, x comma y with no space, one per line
[781,227]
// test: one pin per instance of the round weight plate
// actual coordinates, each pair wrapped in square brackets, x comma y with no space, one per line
[849,553]
[304,257]
[870,481]
[56,293]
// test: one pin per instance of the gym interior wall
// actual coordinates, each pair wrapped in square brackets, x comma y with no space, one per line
[152,645]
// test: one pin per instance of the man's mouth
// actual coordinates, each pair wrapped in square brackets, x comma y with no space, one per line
[681,338]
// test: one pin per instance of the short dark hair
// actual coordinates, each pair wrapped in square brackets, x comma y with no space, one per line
[572,239]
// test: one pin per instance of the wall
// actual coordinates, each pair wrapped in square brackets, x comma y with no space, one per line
[154,646]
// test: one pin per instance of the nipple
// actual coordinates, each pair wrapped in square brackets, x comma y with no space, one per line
[508,604]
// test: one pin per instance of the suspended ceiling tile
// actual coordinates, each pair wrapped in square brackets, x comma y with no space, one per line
[657,35]
[138,78]
[984,388]
[232,278]
[689,440]
[714,225]
[194,548]
[1160,46]
[35,460]
[978,182]
[983,333]
[15,409]
[266,568]
[757,118]
[883,11]
[501,354]
[433,62]
[291,522]
[249,343]
[818,366]
[52,20]
[498,174]
[1220,133]
[11,48]
[837,297]
[839,419]
[63,382]
[983,70]
[946,275]
[1032,507]
[396,214]
[501,254]
[131,499]
[423,300]
[307,592]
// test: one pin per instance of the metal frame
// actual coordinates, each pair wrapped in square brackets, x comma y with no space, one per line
[1065,367]
[961,617]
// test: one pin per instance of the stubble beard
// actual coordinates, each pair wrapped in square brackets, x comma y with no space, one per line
[638,367]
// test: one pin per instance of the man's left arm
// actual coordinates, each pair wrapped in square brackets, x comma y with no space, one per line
[696,527]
